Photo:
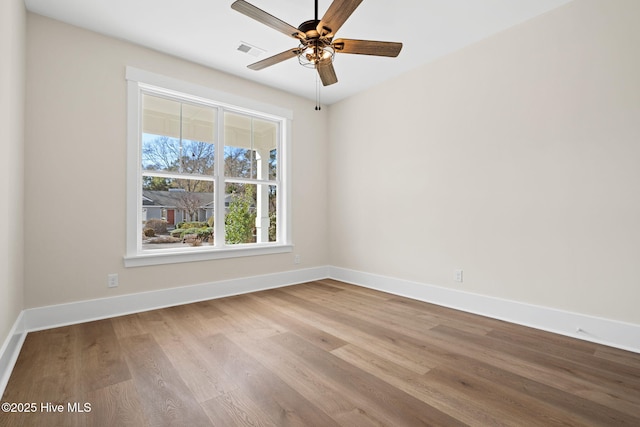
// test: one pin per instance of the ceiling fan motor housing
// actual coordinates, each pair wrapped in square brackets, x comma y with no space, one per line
[314,48]
[310,28]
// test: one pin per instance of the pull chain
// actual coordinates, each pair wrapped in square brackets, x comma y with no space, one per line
[318,107]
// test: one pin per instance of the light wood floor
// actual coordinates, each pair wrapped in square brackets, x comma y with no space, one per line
[319,354]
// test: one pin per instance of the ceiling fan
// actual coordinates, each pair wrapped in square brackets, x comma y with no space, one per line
[317,47]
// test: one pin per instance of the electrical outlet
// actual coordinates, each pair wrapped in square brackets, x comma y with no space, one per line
[296,259]
[112,280]
[457,275]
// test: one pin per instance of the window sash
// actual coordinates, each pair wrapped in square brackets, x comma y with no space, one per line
[186,93]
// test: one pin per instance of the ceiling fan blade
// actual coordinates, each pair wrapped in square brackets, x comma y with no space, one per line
[327,73]
[282,56]
[269,20]
[336,15]
[367,47]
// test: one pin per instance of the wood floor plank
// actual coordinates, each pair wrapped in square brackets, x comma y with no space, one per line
[579,410]
[354,290]
[37,360]
[444,316]
[193,320]
[371,392]
[156,324]
[279,401]
[580,367]
[167,401]
[389,310]
[621,357]
[129,325]
[116,405]
[47,374]
[268,313]
[201,370]
[320,354]
[464,321]
[530,364]
[101,360]
[236,409]
[532,340]
[548,342]
[247,321]
[349,328]
[465,410]
[197,373]
[208,309]
[606,370]
[508,408]
[360,307]
[310,382]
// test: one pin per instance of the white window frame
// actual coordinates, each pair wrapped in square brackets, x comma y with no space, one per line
[139,82]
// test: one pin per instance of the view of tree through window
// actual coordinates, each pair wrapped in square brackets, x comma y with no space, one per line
[186,160]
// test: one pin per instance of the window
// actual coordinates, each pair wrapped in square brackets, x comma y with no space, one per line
[207,173]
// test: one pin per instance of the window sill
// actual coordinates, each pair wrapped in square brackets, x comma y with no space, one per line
[160,257]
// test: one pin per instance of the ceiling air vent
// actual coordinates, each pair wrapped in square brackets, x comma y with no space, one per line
[251,50]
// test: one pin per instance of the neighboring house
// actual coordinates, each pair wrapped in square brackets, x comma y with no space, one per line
[175,205]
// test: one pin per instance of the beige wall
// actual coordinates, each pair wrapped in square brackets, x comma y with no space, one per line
[516,159]
[75,169]
[12,69]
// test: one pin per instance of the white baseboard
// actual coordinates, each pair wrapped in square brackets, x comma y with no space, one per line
[83,311]
[35,319]
[10,350]
[602,331]
[609,332]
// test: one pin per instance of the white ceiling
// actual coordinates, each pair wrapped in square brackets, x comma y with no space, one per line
[209,32]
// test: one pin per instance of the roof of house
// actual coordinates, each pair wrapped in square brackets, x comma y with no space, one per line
[173,198]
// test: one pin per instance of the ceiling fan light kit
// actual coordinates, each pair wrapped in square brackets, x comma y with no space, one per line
[317,48]
[310,57]
[314,49]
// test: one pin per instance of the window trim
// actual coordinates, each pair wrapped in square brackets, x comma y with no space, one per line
[139,81]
